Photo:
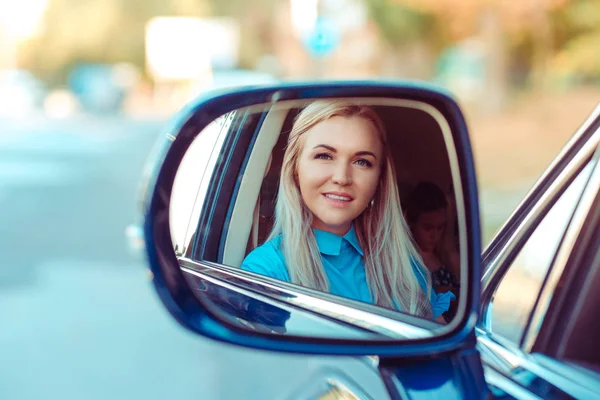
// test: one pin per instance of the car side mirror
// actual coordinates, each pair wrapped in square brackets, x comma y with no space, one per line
[336,217]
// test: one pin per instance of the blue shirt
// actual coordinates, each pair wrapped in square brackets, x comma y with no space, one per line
[342,259]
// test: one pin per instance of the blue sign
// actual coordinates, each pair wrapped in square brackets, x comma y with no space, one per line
[323,39]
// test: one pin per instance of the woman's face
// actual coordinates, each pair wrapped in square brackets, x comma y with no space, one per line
[338,171]
[428,229]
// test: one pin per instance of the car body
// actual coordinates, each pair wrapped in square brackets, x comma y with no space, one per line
[548,243]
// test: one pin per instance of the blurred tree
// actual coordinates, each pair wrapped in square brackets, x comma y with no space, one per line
[509,28]
[410,35]
[400,24]
[113,31]
[97,31]
[539,37]
[577,36]
[256,20]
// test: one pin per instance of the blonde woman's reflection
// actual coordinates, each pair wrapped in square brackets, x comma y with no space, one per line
[338,226]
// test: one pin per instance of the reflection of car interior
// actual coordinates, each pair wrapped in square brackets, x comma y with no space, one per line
[419,155]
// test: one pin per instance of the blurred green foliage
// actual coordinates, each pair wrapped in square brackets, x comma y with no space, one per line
[399,24]
[97,31]
[256,19]
[110,31]
[113,31]
[577,33]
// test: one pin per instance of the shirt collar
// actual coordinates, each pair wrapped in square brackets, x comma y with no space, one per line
[331,244]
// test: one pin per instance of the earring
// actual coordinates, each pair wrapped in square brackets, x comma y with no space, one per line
[371,203]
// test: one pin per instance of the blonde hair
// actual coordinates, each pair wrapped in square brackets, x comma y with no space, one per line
[381,229]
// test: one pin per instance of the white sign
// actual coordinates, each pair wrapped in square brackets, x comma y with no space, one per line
[185,48]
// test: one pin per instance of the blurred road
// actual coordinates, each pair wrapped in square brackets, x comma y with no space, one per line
[78,317]
[68,191]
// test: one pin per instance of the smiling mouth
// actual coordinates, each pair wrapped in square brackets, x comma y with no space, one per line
[337,197]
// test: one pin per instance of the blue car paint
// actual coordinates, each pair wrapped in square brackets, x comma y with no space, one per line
[457,377]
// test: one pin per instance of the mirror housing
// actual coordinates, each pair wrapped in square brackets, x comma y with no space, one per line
[169,280]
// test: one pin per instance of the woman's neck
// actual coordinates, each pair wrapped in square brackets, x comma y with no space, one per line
[339,231]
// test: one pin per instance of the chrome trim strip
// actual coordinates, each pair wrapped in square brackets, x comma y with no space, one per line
[507,385]
[286,289]
[509,362]
[588,384]
[501,354]
[340,325]
[562,256]
[281,287]
[335,310]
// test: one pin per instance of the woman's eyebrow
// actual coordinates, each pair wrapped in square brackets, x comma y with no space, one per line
[326,147]
[366,153]
[358,153]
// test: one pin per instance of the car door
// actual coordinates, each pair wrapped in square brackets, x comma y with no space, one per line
[530,266]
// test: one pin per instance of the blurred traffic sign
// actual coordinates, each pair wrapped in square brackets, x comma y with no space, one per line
[323,39]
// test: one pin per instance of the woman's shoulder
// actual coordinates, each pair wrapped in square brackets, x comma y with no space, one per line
[269,248]
[267,259]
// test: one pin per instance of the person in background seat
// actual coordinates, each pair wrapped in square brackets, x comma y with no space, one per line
[427,212]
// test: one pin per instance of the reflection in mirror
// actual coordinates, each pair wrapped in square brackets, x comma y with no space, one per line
[351,201]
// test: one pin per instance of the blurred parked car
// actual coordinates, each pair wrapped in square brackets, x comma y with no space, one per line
[21,93]
[102,88]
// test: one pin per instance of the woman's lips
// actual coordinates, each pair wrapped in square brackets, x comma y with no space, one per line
[336,200]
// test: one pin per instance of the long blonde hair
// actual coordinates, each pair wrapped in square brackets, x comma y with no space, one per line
[381,229]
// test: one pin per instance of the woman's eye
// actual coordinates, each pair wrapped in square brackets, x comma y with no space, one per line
[364,163]
[322,156]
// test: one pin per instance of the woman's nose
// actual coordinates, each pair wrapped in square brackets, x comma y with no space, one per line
[342,175]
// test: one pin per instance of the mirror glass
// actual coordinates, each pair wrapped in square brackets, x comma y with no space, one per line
[324,218]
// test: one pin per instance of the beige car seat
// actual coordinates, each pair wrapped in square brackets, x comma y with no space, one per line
[253,242]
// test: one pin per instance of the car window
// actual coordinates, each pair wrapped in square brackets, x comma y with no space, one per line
[515,296]
[191,181]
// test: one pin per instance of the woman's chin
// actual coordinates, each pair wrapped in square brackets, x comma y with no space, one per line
[337,227]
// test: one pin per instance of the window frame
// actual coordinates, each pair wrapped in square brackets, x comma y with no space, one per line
[542,353]
[182,246]
[549,266]
[500,254]
[579,149]
[223,184]
[567,294]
